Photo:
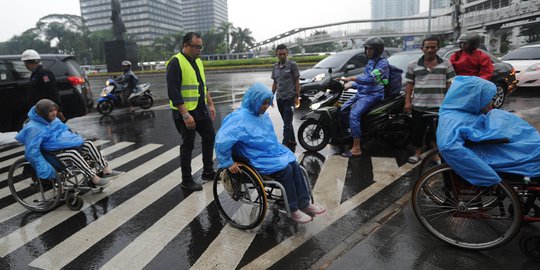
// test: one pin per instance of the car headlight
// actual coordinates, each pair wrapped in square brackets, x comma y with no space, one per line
[535,67]
[315,106]
[319,77]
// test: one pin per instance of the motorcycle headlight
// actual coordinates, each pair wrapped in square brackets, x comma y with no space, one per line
[315,106]
[535,67]
[319,77]
[107,83]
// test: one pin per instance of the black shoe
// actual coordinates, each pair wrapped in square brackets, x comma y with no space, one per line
[191,185]
[209,176]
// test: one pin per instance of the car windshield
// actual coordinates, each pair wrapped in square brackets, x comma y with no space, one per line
[334,61]
[402,60]
[530,53]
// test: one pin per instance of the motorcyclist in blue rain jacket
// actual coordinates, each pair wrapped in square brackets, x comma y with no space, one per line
[466,114]
[370,86]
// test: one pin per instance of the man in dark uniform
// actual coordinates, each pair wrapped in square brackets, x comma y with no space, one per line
[192,108]
[42,82]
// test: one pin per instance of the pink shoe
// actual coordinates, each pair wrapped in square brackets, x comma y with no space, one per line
[314,209]
[301,217]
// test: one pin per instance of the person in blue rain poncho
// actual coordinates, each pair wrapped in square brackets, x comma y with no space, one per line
[466,114]
[45,132]
[370,86]
[248,132]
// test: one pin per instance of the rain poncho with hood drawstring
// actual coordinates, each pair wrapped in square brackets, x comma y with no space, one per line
[460,118]
[251,135]
[39,134]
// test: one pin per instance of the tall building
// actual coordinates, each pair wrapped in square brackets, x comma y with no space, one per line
[203,15]
[440,3]
[145,20]
[381,9]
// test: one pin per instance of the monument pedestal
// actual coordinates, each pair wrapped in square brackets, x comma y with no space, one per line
[117,51]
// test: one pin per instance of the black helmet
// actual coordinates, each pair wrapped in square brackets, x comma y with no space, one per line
[472,38]
[376,43]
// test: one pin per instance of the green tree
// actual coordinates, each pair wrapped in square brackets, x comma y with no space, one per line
[241,39]
[321,47]
[212,41]
[531,31]
[225,29]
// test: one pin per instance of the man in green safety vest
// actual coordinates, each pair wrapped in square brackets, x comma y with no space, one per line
[192,108]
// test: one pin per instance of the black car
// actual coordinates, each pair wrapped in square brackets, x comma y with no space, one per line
[503,73]
[14,86]
[345,63]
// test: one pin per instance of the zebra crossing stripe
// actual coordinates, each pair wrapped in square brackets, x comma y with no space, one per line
[4,192]
[279,251]
[147,246]
[329,186]
[16,209]
[13,151]
[29,231]
[72,247]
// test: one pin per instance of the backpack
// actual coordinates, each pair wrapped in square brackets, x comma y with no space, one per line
[394,80]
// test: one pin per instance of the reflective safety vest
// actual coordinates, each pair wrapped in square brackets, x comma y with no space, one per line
[189,88]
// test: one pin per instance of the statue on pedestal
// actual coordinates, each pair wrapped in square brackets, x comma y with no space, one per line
[118,26]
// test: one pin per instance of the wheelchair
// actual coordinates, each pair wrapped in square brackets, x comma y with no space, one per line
[474,217]
[246,196]
[42,195]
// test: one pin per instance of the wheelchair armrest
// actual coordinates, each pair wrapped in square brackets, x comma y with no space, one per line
[493,141]
[53,160]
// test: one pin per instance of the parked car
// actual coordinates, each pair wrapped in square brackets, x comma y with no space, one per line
[526,61]
[503,73]
[14,86]
[345,63]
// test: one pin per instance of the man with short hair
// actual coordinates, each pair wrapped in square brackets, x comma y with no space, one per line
[42,82]
[192,107]
[287,85]
[429,78]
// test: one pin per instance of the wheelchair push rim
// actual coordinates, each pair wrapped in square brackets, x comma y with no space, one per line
[240,199]
[31,192]
[463,215]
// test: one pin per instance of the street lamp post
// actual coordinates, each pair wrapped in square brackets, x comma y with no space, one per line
[429,19]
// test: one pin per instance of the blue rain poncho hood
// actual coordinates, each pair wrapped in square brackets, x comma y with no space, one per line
[460,119]
[39,134]
[250,135]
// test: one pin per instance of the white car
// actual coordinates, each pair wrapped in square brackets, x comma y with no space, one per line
[526,62]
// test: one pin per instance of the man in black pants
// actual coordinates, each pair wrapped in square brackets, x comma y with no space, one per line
[192,107]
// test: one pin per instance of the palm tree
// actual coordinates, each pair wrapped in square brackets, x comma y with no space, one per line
[241,39]
[225,29]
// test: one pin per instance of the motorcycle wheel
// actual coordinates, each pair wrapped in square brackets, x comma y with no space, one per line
[105,107]
[146,102]
[312,136]
[403,136]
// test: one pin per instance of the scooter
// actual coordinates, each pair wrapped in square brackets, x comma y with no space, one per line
[110,97]
[327,124]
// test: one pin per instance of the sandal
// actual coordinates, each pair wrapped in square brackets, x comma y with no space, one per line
[349,154]
[414,159]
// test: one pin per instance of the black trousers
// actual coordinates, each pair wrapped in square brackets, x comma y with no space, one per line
[205,129]
[423,129]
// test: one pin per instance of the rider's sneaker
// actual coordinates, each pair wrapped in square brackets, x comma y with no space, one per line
[113,174]
[314,209]
[301,217]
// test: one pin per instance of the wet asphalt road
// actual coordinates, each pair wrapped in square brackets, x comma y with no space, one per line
[278,244]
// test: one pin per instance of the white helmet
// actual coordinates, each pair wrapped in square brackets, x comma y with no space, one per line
[126,63]
[30,55]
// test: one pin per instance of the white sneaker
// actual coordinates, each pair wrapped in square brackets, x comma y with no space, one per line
[301,217]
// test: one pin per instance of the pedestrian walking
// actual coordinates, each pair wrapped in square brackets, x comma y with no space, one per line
[192,107]
[42,82]
[286,86]
[428,78]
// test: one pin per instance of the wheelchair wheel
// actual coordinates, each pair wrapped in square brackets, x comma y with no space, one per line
[463,215]
[73,201]
[31,192]
[243,202]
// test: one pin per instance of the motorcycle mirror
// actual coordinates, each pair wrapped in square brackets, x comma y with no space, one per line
[330,70]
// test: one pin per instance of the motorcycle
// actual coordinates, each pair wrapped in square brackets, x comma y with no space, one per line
[110,97]
[327,124]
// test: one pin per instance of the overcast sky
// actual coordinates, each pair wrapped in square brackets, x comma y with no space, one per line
[264,18]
